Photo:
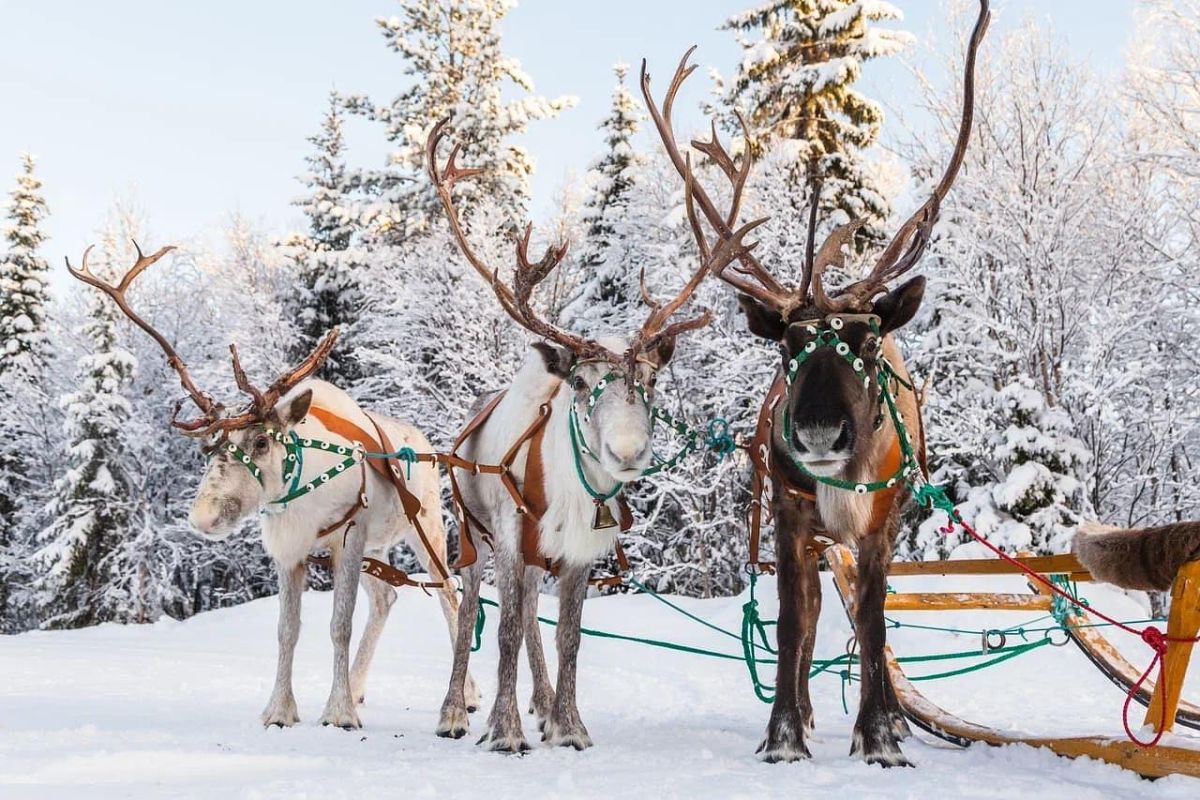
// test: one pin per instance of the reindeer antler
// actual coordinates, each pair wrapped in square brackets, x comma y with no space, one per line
[913,237]
[210,419]
[517,300]
[750,277]
[209,408]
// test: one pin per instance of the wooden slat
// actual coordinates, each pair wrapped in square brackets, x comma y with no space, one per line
[1046,565]
[1153,762]
[959,601]
[1106,658]
[1182,626]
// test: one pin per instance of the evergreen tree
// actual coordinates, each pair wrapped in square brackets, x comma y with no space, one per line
[24,351]
[91,511]
[608,281]
[795,85]
[457,70]
[327,291]
[23,272]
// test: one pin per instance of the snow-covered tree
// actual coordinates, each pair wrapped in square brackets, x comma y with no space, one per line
[23,295]
[608,280]
[795,85]
[24,351]
[326,292]
[93,508]
[455,69]
[1053,327]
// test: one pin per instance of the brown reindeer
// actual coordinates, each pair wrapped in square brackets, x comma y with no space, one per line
[832,450]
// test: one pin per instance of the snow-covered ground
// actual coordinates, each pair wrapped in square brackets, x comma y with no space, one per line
[171,709]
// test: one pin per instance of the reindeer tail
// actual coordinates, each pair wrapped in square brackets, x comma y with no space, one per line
[1137,558]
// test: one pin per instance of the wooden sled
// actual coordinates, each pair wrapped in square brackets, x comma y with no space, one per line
[1150,762]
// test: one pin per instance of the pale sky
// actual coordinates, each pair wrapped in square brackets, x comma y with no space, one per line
[202,109]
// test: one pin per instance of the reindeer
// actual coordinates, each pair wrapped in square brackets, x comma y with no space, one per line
[296,437]
[590,402]
[837,458]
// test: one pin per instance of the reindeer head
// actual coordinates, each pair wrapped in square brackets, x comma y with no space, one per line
[832,344]
[612,381]
[247,455]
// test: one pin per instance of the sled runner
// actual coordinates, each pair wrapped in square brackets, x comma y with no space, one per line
[1152,762]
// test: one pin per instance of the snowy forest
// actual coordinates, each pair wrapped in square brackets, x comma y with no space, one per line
[1058,344]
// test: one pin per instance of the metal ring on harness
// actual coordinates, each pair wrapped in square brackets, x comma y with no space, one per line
[986,645]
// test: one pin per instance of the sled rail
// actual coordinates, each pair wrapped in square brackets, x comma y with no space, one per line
[1151,762]
[1044,565]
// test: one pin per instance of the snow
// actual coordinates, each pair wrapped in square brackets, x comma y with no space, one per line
[171,709]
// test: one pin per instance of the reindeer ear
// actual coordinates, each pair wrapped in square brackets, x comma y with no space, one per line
[558,360]
[664,351]
[897,308]
[762,319]
[296,409]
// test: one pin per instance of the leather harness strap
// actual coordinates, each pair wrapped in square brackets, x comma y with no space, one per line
[529,497]
[389,469]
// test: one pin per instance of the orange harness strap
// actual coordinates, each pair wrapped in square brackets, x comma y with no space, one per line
[389,469]
[530,497]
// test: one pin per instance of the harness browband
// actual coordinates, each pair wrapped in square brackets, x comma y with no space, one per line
[761,447]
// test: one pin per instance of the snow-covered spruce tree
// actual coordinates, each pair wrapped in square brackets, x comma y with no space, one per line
[326,292]
[455,68]
[608,290]
[1048,279]
[23,270]
[23,355]
[92,508]
[795,86]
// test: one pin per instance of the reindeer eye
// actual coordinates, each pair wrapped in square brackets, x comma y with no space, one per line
[261,442]
[580,384]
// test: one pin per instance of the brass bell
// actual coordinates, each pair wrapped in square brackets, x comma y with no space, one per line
[603,519]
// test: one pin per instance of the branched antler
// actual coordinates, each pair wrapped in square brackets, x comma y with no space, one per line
[913,237]
[517,300]
[750,277]
[210,420]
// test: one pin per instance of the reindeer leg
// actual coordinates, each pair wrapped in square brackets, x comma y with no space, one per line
[564,727]
[281,708]
[382,596]
[810,599]
[784,739]
[504,733]
[454,721]
[874,734]
[542,702]
[339,709]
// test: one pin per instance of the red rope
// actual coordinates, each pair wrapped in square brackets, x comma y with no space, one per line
[1151,635]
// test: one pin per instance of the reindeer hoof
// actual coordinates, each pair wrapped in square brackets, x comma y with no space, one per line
[784,739]
[454,723]
[877,744]
[778,753]
[339,715]
[513,744]
[280,713]
[569,733]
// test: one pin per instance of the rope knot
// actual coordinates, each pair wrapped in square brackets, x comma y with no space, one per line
[717,438]
[409,457]
[1155,638]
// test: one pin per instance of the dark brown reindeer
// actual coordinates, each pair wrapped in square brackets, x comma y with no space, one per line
[832,450]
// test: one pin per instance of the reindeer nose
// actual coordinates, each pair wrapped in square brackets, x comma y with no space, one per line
[825,440]
[628,451]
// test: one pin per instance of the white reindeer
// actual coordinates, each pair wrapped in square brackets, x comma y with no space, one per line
[599,396]
[294,442]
